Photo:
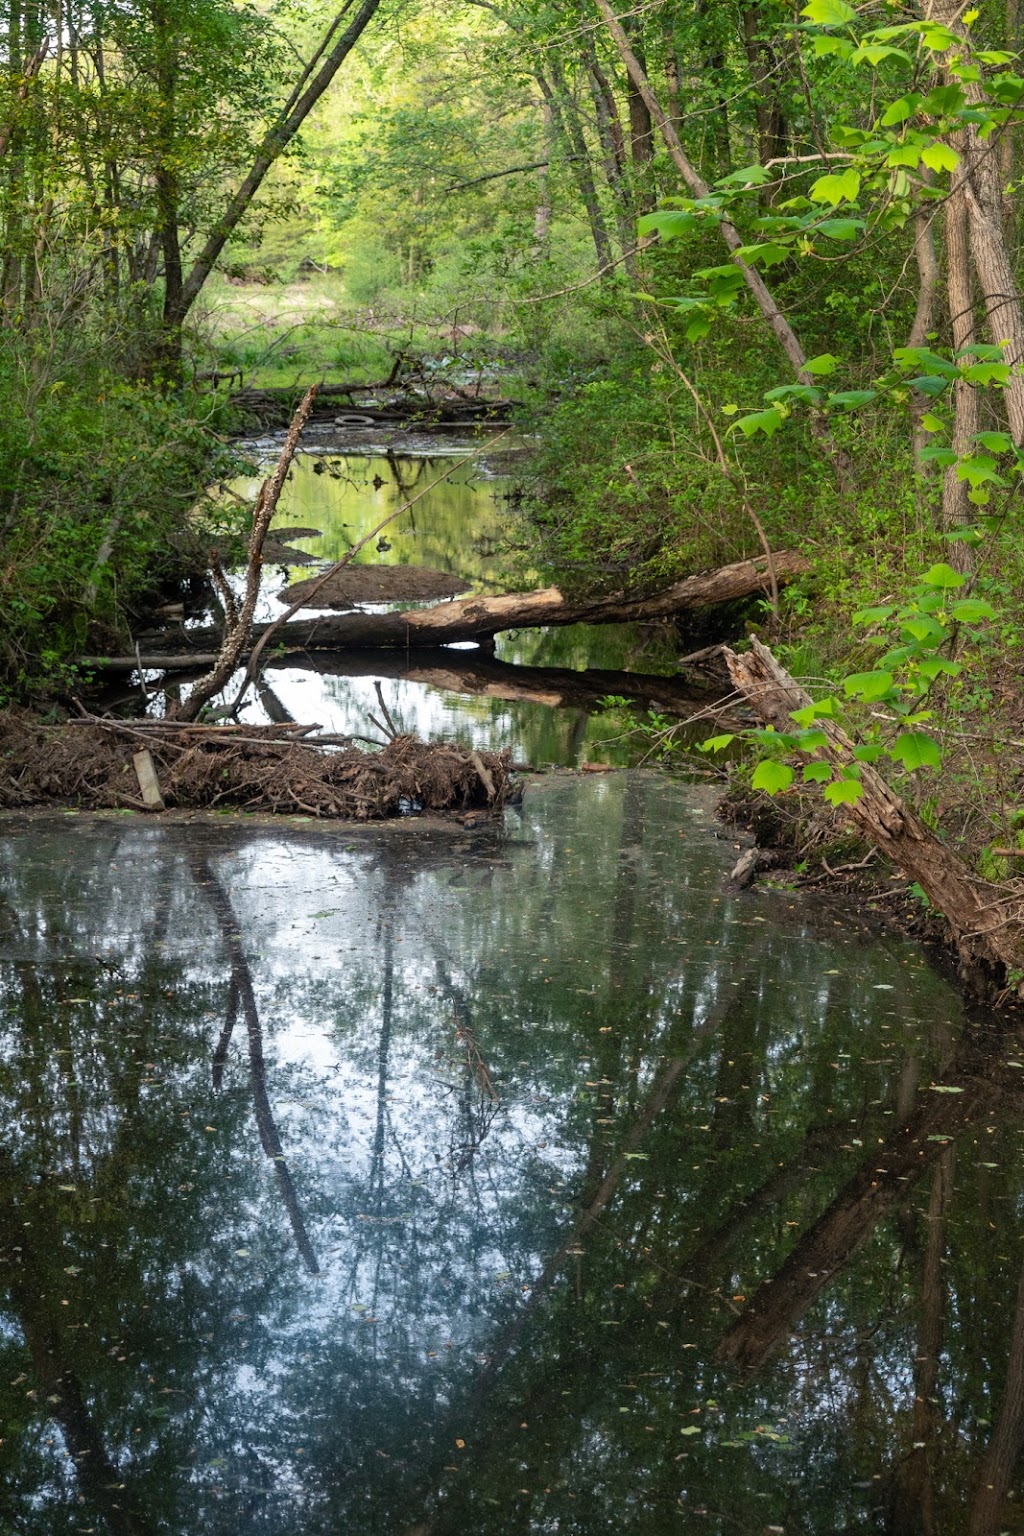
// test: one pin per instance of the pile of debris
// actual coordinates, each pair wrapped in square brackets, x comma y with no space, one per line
[98,763]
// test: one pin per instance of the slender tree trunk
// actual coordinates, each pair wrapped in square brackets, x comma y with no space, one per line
[956,509]
[563,113]
[304,99]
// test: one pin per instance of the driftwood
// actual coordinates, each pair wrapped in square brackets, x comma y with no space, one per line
[985,921]
[481,618]
[89,763]
[235,642]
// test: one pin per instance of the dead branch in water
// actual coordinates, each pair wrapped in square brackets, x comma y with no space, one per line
[239,623]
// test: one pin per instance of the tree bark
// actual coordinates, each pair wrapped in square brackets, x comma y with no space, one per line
[956,509]
[986,928]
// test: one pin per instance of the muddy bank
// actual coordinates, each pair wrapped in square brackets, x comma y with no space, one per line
[94,766]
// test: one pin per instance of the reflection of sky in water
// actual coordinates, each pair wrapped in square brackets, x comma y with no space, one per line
[459,526]
[685,1077]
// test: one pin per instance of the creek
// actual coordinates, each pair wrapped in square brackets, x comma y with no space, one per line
[538,695]
[383,1181]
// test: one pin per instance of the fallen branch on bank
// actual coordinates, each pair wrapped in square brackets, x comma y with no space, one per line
[986,921]
[90,763]
[481,618]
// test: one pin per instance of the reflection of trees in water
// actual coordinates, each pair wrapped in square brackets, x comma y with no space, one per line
[673,1124]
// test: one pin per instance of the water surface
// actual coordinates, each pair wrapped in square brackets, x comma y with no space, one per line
[388,1182]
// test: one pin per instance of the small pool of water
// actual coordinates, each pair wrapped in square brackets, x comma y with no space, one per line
[385,1182]
[463,525]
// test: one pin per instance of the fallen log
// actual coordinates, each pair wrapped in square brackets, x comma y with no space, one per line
[986,922]
[481,618]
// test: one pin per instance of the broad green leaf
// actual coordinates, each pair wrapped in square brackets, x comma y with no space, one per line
[900,111]
[767,422]
[904,154]
[839,229]
[821,709]
[829,13]
[716,743]
[987,350]
[817,773]
[987,373]
[940,157]
[870,752]
[850,399]
[768,254]
[810,740]
[932,667]
[944,576]
[868,685]
[669,223]
[698,328]
[938,38]
[995,442]
[876,53]
[823,45]
[932,423]
[969,610]
[943,100]
[935,453]
[806,393]
[873,615]
[843,792]
[825,363]
[978,470]
[772,777]
[925,629]
[841,187]
[746,176]
[916,749]
[929,383]
[996,56]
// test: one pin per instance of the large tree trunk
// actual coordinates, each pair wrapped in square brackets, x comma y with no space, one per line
[480,618]
[985,926]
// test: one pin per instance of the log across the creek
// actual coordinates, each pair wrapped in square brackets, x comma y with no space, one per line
[481,618]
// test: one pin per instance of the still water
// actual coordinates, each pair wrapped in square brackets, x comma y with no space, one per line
[383,1183]
[529,696]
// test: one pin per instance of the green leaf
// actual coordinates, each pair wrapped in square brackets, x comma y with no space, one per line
[817,773]
[904,154]
[995,442]
[850,399]
[943,100]
[870,752]
[987,373]
[932,423]
[876,53]
[768,254]
[868,685]
[978,469]
[932,667]
[746,176]
[936,453]
[943,576]
[916,749]
[843,792]
[825,363]
[929,383]
[767,422]
[824,45]
[836,188]
[716,743]
[806,393]
[698,328]
[820,709]
[900,112]
[873,615]
[669,223]
[772,777]
[829,13]
[940,157]
[969,610]
[839,229]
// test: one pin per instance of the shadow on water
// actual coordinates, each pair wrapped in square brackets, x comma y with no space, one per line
[548,1186]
